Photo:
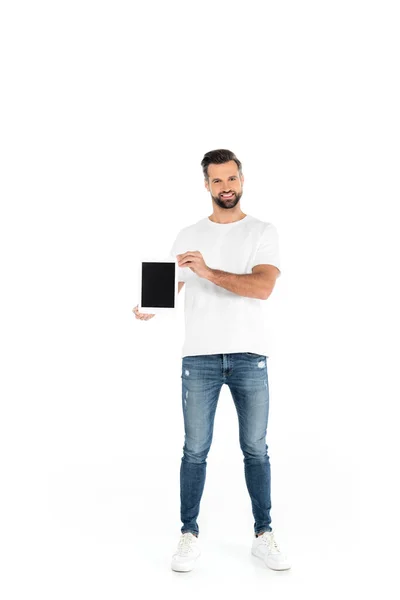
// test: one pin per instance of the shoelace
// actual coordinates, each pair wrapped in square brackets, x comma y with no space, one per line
[185,544]
[268,539]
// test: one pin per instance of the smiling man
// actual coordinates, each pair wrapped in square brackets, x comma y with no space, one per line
[229,262]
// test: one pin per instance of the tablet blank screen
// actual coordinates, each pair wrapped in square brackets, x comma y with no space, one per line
[158,284]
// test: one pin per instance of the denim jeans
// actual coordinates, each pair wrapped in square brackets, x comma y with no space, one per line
[202,378]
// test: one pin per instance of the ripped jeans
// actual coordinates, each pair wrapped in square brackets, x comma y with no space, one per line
[202,378]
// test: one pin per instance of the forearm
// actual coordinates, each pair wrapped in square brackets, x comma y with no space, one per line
[250,285]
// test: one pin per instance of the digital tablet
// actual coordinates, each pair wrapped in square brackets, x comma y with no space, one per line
[158,285]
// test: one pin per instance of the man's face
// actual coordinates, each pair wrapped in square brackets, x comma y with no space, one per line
[223,180]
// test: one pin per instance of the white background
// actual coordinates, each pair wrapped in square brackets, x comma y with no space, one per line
[107,109]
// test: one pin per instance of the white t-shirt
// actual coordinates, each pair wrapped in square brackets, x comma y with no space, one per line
[218,321]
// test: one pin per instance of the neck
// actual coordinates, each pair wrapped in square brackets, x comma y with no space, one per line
[218,218]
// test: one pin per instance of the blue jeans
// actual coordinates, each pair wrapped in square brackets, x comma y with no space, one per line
[202,378]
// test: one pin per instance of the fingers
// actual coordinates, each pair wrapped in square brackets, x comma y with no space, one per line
[142,316]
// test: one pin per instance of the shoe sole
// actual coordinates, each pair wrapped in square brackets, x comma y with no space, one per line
[273,568]
[184,568]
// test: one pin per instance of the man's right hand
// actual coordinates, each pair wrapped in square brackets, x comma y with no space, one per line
[142,316]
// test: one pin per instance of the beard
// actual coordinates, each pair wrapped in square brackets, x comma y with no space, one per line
[231,203]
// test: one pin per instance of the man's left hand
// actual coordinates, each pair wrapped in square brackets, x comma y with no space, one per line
[195,261]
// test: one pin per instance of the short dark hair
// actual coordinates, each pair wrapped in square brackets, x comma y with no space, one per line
[219,157]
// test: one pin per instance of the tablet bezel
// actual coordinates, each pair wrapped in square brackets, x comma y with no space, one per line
[158,309]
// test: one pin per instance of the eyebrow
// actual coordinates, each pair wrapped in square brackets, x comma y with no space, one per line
[215,178]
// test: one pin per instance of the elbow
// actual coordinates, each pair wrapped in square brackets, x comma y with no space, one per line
[267,293]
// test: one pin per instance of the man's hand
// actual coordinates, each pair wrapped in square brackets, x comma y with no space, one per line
[195,261]
[142,316]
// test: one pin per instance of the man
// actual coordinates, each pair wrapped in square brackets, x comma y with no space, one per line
[229,262]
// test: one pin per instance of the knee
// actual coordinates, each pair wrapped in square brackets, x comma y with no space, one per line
[195,454]
[257,450]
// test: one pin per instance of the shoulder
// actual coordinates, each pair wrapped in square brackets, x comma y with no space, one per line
[263,228]
[190,229]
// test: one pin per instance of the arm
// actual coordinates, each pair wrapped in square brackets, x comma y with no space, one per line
[180,285]
[258,284]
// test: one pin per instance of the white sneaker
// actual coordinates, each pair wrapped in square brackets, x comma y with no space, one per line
[266,548]
[187,553]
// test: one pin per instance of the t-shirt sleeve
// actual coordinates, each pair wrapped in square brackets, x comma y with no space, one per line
[267,252]
[182,273]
